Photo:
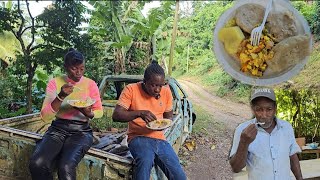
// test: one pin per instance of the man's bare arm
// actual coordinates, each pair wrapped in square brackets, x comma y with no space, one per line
[120,114]
[295,166]
[238,160]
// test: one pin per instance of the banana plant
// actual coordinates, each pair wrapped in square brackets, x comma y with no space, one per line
[121,25]
[120,39]
[9,43]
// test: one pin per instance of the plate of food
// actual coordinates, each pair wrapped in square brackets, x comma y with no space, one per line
[81,103]
[284,48]
[159,124]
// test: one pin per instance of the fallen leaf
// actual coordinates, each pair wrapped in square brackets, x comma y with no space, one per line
[190,145]
[213,147]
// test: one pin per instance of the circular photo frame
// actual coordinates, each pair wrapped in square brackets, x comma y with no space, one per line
[233,66]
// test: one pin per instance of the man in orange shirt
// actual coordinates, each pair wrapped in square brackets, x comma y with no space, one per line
[140,103]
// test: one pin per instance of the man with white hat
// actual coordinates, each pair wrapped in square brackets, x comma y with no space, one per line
[266,144]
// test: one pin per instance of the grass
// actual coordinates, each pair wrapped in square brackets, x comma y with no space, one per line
[309,76]
[239,93]
[106,122]
[204,122]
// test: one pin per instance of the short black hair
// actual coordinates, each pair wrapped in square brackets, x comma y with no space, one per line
[153,69]
[73,57]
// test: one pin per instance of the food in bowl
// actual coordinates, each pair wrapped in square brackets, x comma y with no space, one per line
[81,103]
[248,16]
[261,65]
[253,59]
[159,124]
[281,25]
[289,52]
[231,38]
[280,28]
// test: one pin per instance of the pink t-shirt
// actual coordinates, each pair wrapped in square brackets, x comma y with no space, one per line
[88,88]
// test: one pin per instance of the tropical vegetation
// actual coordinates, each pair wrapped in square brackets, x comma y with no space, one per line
[120,39]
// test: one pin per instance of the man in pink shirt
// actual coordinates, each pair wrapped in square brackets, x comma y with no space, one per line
[69,137]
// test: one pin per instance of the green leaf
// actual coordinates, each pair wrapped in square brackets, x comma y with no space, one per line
[126,39]
[41,85]
[42,76]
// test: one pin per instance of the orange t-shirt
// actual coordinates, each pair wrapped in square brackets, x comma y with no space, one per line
[133,97]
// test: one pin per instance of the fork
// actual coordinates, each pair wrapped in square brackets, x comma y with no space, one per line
[256,32]
[80,89]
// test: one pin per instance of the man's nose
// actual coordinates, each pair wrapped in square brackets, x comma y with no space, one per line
[157,89]
[264,113]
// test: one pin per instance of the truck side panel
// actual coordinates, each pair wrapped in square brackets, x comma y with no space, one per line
[17,146]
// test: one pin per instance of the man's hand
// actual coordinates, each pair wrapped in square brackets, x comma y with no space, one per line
[66,90]
[249,134]
[238,160]
[87,111]
[147,116]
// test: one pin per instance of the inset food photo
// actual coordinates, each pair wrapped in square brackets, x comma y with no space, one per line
[282,49]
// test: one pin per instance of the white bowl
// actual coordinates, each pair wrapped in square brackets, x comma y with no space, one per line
[232,66]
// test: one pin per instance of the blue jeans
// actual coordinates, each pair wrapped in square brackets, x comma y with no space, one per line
[147,152]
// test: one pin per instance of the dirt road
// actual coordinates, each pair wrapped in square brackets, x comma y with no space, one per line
[210,158]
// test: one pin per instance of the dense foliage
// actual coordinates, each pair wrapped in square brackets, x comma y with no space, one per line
[120,39]
[302,109]
[42,40]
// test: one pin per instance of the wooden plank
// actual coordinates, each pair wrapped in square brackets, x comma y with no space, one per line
[311,151]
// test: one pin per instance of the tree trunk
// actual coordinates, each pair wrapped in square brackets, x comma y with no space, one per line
[120,61]
[29,94]
[174,34]
[30,71]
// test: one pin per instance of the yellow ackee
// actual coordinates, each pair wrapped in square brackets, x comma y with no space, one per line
[253,58]
[80,103]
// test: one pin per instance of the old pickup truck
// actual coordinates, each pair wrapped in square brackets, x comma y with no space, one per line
[18,136]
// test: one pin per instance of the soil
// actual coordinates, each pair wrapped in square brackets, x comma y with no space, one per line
[209,160]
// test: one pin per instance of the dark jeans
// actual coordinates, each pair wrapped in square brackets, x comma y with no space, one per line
[64,144]
[147,152]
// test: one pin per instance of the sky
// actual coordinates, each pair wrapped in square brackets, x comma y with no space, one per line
[149,6]
[38,7]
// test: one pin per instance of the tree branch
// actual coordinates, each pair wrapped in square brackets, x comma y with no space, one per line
[43,46]
[22,19]
[32,26]
[18,33]
[29,27]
